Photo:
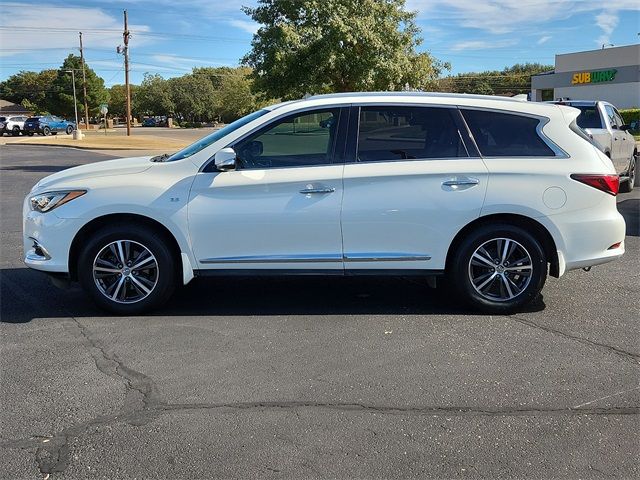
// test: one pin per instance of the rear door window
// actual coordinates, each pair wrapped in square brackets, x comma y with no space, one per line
[388,133]
[500,134]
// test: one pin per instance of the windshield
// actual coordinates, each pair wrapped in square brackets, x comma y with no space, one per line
[589,117]
[215,136]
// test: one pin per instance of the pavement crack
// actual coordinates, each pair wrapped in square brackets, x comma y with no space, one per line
[402,410]
[53,453]
[628,356]
[108,363]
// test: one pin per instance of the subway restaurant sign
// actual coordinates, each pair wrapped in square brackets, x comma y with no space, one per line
[599,76]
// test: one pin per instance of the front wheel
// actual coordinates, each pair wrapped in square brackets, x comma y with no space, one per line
[69,130]
[499,268]
[127,269]
[15,131]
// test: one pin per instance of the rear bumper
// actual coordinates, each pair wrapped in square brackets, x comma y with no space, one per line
[584,238]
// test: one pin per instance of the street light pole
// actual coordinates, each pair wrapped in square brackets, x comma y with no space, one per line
[76,133]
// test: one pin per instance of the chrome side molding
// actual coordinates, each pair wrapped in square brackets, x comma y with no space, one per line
[321,258]
[385,257]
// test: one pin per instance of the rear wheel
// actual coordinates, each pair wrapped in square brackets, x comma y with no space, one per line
[499,268]
[15,131]
[127,269]
[46,131]
[628,185]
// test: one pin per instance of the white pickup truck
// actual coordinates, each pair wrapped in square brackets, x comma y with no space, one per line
[604,124]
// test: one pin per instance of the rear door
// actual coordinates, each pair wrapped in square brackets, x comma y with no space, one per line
[410,185]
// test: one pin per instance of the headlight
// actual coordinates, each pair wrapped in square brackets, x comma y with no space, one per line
[50,200]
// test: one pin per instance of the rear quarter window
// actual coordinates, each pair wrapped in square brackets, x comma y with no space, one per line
[506,135]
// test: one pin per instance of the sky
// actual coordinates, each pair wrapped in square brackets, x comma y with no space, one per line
[170,37]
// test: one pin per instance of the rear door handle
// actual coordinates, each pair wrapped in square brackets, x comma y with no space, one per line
[317,189]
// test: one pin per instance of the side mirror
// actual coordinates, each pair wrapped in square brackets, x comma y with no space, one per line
[225,159]
[624,128]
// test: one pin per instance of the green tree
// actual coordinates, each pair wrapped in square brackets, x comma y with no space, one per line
[118,100]
[337,46]
[193,98]
[33,90]
[61,101]
[153,96]
[234,98]
[512,80]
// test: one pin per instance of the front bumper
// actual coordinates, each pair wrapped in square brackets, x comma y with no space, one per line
[47,239]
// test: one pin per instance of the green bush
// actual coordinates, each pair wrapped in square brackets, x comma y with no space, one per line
[631,115]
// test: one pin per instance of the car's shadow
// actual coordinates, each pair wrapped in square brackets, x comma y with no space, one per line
[26,294]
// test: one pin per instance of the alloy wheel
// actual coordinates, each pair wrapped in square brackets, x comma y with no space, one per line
[500,269]
[125,271]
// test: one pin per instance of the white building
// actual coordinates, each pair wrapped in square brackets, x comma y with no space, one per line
[609,74]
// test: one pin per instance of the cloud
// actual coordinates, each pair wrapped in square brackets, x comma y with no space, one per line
[506,16]
[544,39]
[481,44]
[246,25]
[35,30]
[607,21]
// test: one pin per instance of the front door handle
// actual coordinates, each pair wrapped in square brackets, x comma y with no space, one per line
[459,182]
[317,189]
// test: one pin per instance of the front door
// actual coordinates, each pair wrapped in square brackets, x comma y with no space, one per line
[411,187]
[280,208]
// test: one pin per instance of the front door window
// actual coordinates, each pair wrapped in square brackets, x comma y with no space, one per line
[300,140]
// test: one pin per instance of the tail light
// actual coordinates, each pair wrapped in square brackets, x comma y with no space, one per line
[605,183]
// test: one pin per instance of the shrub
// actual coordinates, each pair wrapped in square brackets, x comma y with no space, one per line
[631,116]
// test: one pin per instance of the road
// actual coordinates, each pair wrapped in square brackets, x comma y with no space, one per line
[314,378]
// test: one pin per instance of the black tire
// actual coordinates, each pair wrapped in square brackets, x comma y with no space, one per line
[69,130]
[46,131]
[15,131]
[505,282]
[627,185]
[54,133]
[138,236]
[30,134]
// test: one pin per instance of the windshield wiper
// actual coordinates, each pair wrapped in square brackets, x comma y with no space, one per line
[160,158]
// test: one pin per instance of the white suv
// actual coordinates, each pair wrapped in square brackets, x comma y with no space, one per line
[491,192]
[12,125]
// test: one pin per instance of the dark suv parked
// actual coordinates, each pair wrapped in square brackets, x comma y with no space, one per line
[48,125]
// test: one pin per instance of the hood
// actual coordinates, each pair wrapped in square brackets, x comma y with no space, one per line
[71,176]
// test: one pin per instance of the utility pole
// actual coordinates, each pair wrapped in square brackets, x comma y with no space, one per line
[125,36]
[84,87]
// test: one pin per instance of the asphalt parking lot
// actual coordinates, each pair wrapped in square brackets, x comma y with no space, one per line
[314,378]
